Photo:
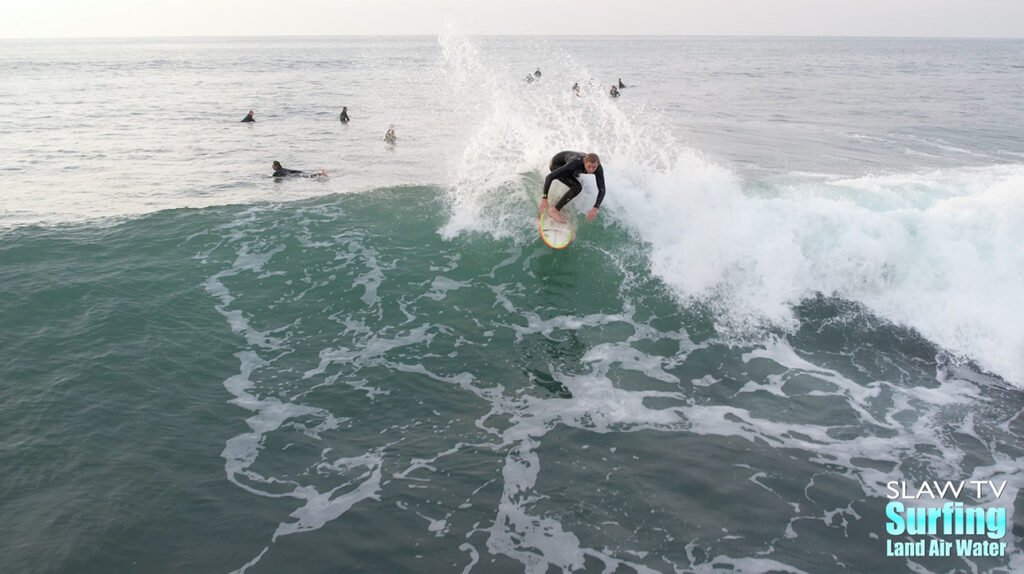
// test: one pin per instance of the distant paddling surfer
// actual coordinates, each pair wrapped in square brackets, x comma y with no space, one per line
[566,167]
[248,118]
[280,171]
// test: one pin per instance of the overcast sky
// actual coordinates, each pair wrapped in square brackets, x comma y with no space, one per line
[98,18]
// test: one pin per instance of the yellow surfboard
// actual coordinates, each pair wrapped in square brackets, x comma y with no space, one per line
[557,235]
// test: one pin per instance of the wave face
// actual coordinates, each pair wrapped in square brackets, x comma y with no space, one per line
[503,403]
[490,403]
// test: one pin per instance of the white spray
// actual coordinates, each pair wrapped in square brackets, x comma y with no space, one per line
[937,251]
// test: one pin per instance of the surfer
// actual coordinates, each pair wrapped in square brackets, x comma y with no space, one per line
[614,91]
[248,117]
[280,172]
[344,115]
[621,85]
[390,136]
[566,167]
[537,73]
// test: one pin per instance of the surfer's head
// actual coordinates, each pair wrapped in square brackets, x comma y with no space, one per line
[277,165]
[591,162]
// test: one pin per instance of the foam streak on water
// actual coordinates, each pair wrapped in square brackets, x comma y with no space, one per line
[551,437]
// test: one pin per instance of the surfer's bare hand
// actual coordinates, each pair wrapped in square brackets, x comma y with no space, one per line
[592,214]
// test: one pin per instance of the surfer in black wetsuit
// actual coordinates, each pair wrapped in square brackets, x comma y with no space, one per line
[248,117]
[344,115]
[280,172]
[566,167]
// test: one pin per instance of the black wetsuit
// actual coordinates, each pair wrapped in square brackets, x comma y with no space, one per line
[248,118]
[566,167]
[285,172]
[344,117]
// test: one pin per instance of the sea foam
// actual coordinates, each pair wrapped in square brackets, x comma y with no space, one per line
[936,251]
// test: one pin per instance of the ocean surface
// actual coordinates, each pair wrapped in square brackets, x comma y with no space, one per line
[805,283]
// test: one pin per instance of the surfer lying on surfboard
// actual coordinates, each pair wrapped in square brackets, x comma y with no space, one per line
[285,172]
[566,167]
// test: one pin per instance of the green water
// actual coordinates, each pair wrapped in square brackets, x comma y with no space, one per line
[330,385]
